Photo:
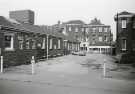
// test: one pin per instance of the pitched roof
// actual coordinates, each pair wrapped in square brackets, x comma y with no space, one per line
[5,22]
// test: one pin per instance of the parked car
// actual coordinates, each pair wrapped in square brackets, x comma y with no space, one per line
[80,53]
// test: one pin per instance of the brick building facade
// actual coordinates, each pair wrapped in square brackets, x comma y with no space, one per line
[125,40]
[98,36]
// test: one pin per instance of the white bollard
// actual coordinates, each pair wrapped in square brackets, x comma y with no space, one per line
[33,63]
[1,64]
[104,68]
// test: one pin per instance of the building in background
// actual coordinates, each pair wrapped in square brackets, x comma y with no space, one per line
[98,37]
[24,16]
[94,37]
[125,39]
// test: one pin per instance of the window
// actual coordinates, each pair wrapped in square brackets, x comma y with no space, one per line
[21,44]
[124,23]
[55,46]
[82,29]
[100,29]
[27,44]
[70,29]
[33,44]
[20,39]
[43,44]
[76,29]
[134,23]
[59,44]
[105,29]
[87,30]
[94,30]
[105,38]
[123,44]
[100,38]
[9,42]
[50,44]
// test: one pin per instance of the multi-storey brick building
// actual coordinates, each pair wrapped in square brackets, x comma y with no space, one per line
[25,16]
[98,36]
[125,40]
[93,37]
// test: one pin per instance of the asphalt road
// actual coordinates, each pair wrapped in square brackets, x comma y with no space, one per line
[69,75]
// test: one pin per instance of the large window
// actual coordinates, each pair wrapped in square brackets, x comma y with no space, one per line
[50,47]
[21,41]
[70,29]
[123,44]
[43,44]
[106,29]
[124,23]
[59,44]
[76,29]
[105,38]
[94,29]
[21,44]
[100,38]
[9,42]
[33,44]
[100,29]
[27,44]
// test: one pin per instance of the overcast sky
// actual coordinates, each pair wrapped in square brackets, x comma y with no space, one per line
[48,12]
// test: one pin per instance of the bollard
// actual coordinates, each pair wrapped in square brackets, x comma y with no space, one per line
[1,64]
[33,63]
[104,68]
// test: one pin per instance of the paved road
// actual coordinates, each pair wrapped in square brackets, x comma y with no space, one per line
[69,75]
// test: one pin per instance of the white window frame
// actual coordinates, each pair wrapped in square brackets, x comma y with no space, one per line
[76,29]
[50,46]
[59,44]
[124,23]
[106,29]
[27,44]
[94,29]
[123,48]
[21,44]
[100,29]
[100,39]
[43,44]
[20,41]
[33,44]
[69,28]
[11,48]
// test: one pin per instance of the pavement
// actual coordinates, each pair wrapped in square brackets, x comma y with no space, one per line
[70,74]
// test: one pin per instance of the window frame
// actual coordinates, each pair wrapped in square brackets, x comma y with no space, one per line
[100,38]
[11,48]
[124,44]
[50,43]
[59,43]
[124,23]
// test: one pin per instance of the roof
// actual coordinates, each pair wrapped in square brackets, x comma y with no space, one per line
[125,13]
[5,22]
[74,22]
[23,27]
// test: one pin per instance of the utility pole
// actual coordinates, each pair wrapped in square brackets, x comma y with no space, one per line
[47,46]
[117,24]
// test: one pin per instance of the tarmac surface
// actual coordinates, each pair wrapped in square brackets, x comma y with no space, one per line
[70,74]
